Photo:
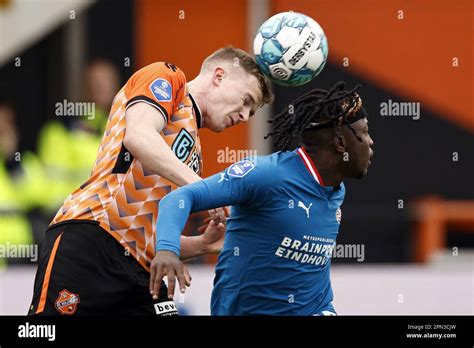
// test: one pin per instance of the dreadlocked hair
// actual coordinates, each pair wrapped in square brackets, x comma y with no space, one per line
[315,108]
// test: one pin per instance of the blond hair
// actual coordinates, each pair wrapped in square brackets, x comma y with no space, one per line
[245,61]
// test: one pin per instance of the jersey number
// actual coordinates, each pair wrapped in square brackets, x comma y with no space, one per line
[171,66]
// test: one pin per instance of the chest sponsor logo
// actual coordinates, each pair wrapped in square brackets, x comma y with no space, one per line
[312,250]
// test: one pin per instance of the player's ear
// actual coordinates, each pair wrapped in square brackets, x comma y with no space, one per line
[339,143]
[218,76]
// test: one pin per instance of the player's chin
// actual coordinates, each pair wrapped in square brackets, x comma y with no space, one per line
[226,125]
[221,128]
[217,128]
[361,173]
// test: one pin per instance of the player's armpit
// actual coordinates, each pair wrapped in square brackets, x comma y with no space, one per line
[143,140]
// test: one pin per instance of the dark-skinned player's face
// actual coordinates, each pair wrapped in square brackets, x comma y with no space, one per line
[359,152]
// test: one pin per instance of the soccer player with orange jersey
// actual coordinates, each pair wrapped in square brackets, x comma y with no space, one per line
[96,256]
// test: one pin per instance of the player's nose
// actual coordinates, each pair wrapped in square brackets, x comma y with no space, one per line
[244,115]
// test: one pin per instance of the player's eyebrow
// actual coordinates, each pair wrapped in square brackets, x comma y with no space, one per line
[253,103]
[249,96]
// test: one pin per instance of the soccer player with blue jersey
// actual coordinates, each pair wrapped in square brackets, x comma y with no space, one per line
[286,211]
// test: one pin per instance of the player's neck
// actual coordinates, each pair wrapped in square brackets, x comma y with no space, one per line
[198,94]
[326,165]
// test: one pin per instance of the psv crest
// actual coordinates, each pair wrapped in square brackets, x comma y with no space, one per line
[67,302]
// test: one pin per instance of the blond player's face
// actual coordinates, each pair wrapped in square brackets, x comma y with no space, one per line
[234,100]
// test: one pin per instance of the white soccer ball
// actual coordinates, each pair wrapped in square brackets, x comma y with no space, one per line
[290,48]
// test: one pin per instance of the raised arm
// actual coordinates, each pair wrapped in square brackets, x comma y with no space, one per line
[142,138]
[230,187]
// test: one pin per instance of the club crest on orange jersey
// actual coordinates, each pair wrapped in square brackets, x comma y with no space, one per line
[67,302]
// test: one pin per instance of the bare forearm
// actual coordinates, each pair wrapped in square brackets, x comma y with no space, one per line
[155,155]
[192,247]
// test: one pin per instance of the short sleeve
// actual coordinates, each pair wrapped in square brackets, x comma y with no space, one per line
[161,85]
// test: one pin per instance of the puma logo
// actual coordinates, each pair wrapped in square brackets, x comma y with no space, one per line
[222,178]
[306,209]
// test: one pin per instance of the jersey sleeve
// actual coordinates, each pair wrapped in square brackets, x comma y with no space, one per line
[247,182]
[244,182]
[161,85]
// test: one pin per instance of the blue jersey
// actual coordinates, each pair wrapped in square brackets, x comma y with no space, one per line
[279,239]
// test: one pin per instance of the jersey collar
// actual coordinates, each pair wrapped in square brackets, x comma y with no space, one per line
[197,111]
[309,164]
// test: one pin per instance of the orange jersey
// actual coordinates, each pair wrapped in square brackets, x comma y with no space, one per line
[120,194]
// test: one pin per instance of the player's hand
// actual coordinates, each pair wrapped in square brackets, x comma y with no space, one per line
[167,263]
[212,236]
[218,215]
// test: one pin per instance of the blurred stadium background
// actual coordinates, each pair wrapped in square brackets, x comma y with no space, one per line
[413,214]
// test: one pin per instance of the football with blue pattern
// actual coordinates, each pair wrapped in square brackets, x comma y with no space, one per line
[291,48]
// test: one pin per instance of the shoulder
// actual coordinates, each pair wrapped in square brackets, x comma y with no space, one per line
[159,74]
[159,83]
[160,68]
[265,169]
